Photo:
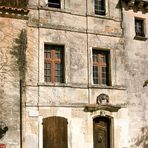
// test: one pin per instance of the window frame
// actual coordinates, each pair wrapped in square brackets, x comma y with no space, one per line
[100,66]
[102,10]
[53,60]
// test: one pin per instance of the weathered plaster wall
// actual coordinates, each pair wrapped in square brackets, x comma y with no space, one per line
[136,73]
[70,27]
[12,68]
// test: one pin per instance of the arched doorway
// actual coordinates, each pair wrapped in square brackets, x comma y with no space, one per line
[102,132]
[55,132]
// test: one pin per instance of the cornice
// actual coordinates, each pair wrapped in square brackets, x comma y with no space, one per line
[140,5]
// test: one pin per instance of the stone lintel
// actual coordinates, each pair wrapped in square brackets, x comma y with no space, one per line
[107,107]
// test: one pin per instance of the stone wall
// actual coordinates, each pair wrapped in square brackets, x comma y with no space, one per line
[136,64]
[79,33]
[12,69]
[77,28]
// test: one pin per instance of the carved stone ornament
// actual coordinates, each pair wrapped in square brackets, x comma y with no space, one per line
[102,103]
[137,4]
[102,97]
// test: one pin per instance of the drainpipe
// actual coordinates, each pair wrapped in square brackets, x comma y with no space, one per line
[21,114]
[87,52]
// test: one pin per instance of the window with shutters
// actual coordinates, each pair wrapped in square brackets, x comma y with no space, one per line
[101,67]
[100,7]
[55,132]
[54,63]
[54,3]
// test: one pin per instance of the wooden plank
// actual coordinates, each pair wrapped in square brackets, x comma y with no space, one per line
[55,132]
[101,132]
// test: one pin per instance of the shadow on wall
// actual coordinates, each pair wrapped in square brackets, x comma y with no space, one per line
[19,51]
[142,140]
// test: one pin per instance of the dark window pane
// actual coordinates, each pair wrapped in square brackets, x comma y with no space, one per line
[47,72]
[100,7]
[48,66]
[96,81]
[103,69]
[104,81]
[58,73]
[139,27]
[95,74]
[54,3]
[103,75]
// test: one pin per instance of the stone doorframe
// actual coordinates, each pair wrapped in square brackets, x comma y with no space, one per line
[40,131]
[106,114]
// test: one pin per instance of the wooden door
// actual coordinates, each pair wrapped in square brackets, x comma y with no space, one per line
[101,132]
[55,132]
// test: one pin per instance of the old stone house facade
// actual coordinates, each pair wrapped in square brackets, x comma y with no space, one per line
[72,73]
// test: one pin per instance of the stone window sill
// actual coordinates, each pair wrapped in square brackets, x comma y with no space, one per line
[82,86]
[104,17]
[142,38]
[54,9]
[118,87]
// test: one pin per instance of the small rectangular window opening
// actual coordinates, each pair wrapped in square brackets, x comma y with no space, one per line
[100,7]
[54,3]
[139,27]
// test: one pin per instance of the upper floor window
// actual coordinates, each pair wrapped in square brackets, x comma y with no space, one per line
[100,7]
[139,27]
[100,67]
[54,3]
[54,63]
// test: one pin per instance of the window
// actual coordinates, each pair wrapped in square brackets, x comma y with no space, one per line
[54,3]
[100,7]
[139,27]
[100,67]
[54,63]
